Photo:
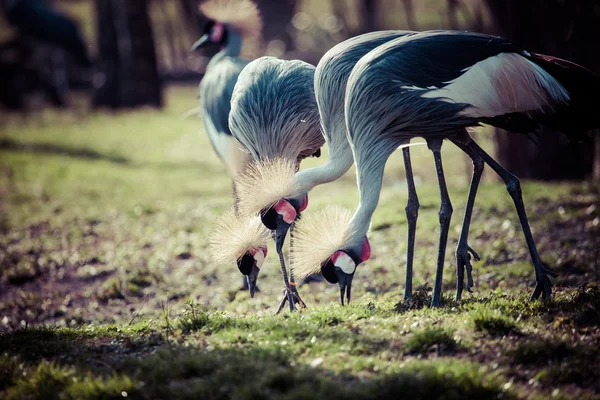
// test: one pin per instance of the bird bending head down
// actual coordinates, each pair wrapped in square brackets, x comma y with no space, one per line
[324,242]
[266,188]
[240,239]
[240,15]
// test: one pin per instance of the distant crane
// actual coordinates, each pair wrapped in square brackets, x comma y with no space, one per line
[435,85]
[274,115]
[230,21]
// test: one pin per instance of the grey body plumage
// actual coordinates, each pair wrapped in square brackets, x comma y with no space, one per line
[274,112]
[274,115]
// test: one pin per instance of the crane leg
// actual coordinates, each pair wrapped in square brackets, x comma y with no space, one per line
[287,291]
[463,250]
[290,292]
[543,286]
[412,212]
[445,214]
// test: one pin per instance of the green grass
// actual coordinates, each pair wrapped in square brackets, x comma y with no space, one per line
[107,287]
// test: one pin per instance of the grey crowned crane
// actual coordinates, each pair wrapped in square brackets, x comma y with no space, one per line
[274,115]
[230,21]
[435,85]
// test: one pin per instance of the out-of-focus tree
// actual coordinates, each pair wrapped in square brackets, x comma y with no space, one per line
[128,75]
[276,31]
[566,29]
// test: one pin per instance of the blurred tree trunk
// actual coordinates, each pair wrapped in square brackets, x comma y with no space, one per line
[276,16]
[368,16]
[565,29]
[128,72]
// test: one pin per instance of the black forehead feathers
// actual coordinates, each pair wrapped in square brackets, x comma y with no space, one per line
[328,271]
[246,263]
[269,218]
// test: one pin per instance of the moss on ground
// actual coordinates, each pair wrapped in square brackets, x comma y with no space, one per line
[107,287]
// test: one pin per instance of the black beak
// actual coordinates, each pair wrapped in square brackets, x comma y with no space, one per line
[200,42]
[345,282]
[252,278]
[280,233]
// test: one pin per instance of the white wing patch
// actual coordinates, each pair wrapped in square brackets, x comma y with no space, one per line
[503,84]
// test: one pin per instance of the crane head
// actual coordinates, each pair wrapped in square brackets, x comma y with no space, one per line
[239,239]
[326,241]
[249,265]
[280,217]
[340,268]
[214,33]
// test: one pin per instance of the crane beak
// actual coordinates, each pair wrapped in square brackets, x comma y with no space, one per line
[345,283]
[280,233]
[252,278]
[200,42]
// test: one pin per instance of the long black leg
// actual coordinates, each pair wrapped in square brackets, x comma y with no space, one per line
[513,186]
[412,212]
[463,250]
[445,214]
[295,293]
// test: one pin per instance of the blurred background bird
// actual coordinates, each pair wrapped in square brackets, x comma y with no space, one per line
[435,85]
[230,22]
[45,36]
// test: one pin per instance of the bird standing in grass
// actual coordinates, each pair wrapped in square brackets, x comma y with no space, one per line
[435,85]
[331,77]
[230,21]
[274,115]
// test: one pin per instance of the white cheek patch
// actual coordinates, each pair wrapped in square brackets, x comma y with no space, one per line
[286,210]
[344,262]
[259,256]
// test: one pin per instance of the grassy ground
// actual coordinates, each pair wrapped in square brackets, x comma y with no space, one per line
[106,289]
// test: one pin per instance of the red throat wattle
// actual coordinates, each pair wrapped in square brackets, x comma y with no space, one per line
[365,253]
[304,203]
[286,210]
[216,33]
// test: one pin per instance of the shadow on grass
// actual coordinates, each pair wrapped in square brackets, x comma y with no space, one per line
[49,148]
[273,373]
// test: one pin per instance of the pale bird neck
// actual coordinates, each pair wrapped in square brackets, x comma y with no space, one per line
[339,162]
[234,43]
[369,178]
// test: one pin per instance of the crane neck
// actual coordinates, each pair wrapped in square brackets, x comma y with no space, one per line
[369,178]
[339,162]
[234,43]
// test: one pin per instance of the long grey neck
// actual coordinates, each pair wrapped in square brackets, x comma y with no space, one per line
[340,161]
[369,182]
[234,43]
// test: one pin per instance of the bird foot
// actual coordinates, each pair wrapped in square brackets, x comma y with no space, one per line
[543,286]
[464,253]
[291,295]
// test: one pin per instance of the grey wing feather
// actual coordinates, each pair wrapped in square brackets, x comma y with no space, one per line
[274,111]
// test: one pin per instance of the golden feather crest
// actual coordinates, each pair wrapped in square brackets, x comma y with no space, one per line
[263,183]
[243,15]
[317,235]
[233,235]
